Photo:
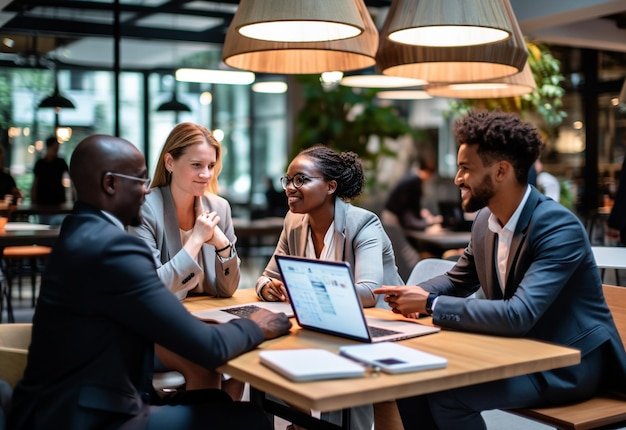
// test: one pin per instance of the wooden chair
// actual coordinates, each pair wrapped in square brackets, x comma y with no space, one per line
[602,410]
[14,342]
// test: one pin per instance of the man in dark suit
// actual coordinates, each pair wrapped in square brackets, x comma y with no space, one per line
[531,265]
[102,308]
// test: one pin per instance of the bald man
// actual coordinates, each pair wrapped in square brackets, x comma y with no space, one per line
[102,308]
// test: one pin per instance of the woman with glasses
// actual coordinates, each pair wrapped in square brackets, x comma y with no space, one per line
[322,224]
[190,231]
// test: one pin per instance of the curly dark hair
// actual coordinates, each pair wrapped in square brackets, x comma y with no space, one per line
[345,168]
[501,136]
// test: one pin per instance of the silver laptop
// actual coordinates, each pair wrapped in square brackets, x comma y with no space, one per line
[227,313]
[324,298]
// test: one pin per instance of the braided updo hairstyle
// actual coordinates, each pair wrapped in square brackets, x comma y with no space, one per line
[345,168]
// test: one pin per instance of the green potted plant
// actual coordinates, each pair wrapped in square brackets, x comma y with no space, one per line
[345,119]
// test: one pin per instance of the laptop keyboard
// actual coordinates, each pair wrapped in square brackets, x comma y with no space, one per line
[242,311]
[378,332]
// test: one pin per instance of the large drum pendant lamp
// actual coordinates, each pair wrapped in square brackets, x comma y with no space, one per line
[261,56]
[452,64]
[511,86]
[298,20]
[449,22]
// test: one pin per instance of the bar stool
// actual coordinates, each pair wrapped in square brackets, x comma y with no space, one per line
[21,260]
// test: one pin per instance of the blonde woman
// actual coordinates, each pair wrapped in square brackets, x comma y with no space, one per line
[190,231]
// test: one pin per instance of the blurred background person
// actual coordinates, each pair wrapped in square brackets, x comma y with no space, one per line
[48,187]
[404,204]
[547,183]
[276,199]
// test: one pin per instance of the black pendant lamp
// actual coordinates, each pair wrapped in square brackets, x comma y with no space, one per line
[174,105]
[56,100]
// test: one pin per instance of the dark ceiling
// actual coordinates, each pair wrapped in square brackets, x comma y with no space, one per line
[162,33]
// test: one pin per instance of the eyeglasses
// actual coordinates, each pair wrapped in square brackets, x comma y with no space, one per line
[146,181]
[297,180]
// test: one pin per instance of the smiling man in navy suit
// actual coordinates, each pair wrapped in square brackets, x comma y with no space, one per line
[102,308]
[530,262]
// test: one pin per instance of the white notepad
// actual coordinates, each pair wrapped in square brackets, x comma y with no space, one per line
[392,357]
[310,364]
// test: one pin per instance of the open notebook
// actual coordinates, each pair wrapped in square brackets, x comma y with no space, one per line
[324,298]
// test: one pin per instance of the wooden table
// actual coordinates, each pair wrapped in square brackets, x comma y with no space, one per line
[441,239]
[23,233]
[259,235]
[472,359]
[259,227]
[22,212]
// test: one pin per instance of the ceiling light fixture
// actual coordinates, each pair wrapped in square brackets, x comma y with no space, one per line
[403,95]
[174,105]
[452,64]
[270,87]
[373,80]
[56,100]
[298,20]
[449,22]
[260,56]
[226,77]
[511,86]
[622,94]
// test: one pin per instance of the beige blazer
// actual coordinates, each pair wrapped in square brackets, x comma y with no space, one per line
[360,240]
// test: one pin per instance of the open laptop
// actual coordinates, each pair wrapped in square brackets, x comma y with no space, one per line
[324,298]
[227,313]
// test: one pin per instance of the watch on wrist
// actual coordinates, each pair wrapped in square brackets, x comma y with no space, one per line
[429,302]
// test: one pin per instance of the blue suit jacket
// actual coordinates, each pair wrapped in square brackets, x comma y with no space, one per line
[101,309]
[553,290]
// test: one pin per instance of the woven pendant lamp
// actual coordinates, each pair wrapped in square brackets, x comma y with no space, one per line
[298,20]
[260,56]
[449,22]
[452,64]
[511,86]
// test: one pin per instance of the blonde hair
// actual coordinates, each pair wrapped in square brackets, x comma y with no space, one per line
[181,137]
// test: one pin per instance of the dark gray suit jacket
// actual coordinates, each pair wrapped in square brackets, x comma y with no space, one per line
[553,289]
[101,309]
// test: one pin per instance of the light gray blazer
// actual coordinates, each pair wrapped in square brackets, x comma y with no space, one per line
[175,266]
[360,240]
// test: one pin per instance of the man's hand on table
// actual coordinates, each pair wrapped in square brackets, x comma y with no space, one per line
[271,323]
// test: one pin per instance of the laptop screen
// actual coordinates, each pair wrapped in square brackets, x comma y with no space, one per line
[323,296]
